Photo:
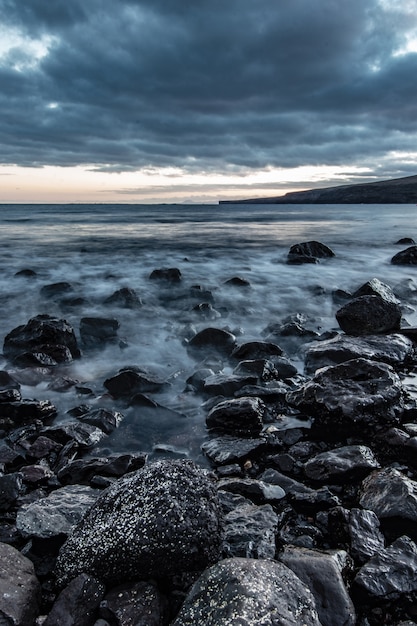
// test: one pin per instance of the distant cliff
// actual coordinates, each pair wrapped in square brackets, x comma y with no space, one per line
[395,191]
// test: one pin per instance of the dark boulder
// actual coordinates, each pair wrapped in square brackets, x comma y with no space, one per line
[263,369]
[405,241]
[256,490]
[19,413]
[96,332]
[257,350]
[368,315]
[131,381]
[162,519]
[240,590]
[358,394]
[366,538]
[56,289]
[212,341]
[405,257]
[26,273]
[105,419]
[19,588]
[85,435]
[301,496]
[228,449]
[249,531]
[135,604]
[78,603]
[169,274]
[241,416]
[375,287]
[41,331]
[81,471]
[341,464]
[390,494]
[237,281]
[11,487]
[226,384]
[309,252]
[126,298]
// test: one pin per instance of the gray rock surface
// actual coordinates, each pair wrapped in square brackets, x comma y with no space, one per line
[248,592]
[249,531]
[160,520]
[240,416]
[375,287]
[19,588]
[369,315]
[341,464]
[366,539]
[77,604]
[134,604]
[228,449]
[389,493]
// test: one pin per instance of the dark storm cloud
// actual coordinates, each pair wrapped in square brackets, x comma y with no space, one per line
[207,85]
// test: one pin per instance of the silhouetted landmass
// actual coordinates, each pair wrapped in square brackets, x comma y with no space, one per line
[395,191]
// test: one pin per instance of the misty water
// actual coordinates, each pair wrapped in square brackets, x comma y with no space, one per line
[99,249]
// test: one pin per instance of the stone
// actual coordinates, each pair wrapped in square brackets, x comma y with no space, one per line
[39,332]
[394,349]
[96,332]
[321,572]
[301,496]
[20,413]
[369,315]
[263,369]
[375,287]
[131,381]
[256,350]
[84,435]
[405,241]
[309,251]
[77,603]
[56,514]
[389,493]
[366,539]
[56,289]
[137,604]
[405,257]
[212,342]
[249,531]
[169,274]
[126,298]
[237,281]
[19,588]
[241,416]
[341,464]
[253,489]
[359,393]
[391,574]
[226,384]
[160,520]
[81,471]
[243,591]
[229,449]
[105,419]
[11,486]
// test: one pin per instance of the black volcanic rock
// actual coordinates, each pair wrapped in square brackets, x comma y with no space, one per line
[405,257]
[308,251]
[369,315]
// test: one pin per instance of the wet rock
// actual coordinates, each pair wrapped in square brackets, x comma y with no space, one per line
[341,464]
[27,273]
[169,274]
[212,341]
[105,419]
[389,493]
[19,588]
[250,531]
[226,385]
[301,496]
[366,539]
[405,241]
[56,289]
[136,604]
[42,448]
[35,475]
[359,393]
[391,574]
[237,281]
[242,590]
[263,369]
[241,416]
[405,257]
[309,252]
[126,298]
[257,350]
[394,349]
[131,381]
[255,490]
[206,311]
[7,382]
[56,514]
[15,414]
[375,287]
[197,378]
[81,471]
[77,604]
[11,486]
[162,519]
[228,449]
[368,315]
[96,332]
[40,331]
[321,571]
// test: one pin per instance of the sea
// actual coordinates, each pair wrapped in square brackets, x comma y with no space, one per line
[100,248]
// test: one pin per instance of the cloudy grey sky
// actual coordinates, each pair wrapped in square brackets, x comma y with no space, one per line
[147,100]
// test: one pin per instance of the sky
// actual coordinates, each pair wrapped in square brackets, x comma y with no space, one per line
[143,101]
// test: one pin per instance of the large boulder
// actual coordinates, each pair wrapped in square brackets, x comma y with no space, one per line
[368,315]
[375,287]
[160,520]
[212,341]
[341,464]
[241,416]
[77,604]
[248,591]
[19,588]
[359,393]
[390,493]
[405,257]
[309,252]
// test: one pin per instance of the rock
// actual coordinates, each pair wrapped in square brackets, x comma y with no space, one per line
[394,349]
[391,574]
[39,333]
[368,315]
[226,385]
[228,449]
[160,520]
[96,332]
[309,252]
[405,257]
[321,572]
[341,464]
[389,493]
[19,588]
[125,298]
[375,287]
[256,350]
[131,381]
[405,241]
[27,273]
[105,419]
[241,416]
[250,531]
[263,369]
[366,539]
[303,497]
[43,448]
[57,514]
[15,414]
[82,471]
[359,393]
[212,341]
[77,604]
[237,281]
[136,604]
[169,274]
[241,591]
[34,475]
[11,486]
[255,490]
[85,435]
[56,289]
[206,311]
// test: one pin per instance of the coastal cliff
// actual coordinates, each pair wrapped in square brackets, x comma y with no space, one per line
[395,191]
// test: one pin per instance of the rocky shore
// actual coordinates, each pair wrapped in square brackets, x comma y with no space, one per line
[308,524]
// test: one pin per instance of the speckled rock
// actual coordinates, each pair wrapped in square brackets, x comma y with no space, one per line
[135,604]
[162,519]
[250,531]
[77,604]
[19,588]
[248,592]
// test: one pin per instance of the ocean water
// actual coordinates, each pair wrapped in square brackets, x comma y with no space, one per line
[100,248]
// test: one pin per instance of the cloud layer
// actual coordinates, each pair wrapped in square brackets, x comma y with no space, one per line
[209,85]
